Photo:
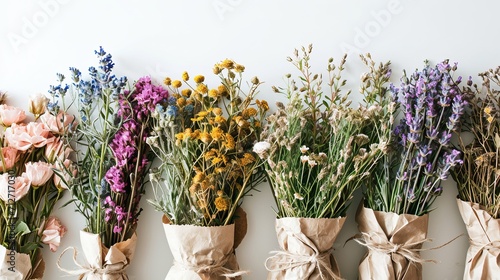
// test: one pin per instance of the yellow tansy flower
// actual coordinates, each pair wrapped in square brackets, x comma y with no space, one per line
[217,133]
[185,76]
[176,84]
[167,81]
[186,92]
[216,160]
[202,88]
[227,63]
[262,104]
[205,137]
[221,203]
[203,113]
[219,119]
[216,70]
[180,136]
[222,90]
[214,93]
[199,79]
[198,177]
[194,134]
[239,68]
[217,111]
[181,102]
[490,119]
[229,143]
[249,112]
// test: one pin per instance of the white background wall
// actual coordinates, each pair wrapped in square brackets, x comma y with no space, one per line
[42,37]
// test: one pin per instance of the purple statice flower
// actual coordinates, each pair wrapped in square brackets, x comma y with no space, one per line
[117,229]
[131,152]
[115,178]
[147,96]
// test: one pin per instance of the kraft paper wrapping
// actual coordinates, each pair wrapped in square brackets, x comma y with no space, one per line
[483,261]
[394,243]
[202,253]
[306,245]
[17,266]
[103,263]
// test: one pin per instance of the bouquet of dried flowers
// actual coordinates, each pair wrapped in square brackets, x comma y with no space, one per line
[113,157]
[204,138]
[35,171]
[317,151]
[478,177]
[407,180]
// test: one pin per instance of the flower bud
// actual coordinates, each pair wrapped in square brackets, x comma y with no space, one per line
[37,105]
[255,81]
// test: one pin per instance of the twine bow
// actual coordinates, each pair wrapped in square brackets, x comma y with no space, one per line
[409,251]
[284,260]
[217,268]
[481,247]
[87,270]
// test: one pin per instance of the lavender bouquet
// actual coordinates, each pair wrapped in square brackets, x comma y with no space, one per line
[113,158]
[407,180]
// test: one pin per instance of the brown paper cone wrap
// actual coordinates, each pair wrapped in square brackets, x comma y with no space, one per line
[306,245]
[394,243]
[103,263]
[483,261]
[202,253]
[17,266]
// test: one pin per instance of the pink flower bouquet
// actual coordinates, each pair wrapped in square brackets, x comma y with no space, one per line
[35,170]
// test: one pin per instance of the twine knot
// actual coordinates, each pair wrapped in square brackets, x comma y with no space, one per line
[216,268]
[85,270]
[283,260]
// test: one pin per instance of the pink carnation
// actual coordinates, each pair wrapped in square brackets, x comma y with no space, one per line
[38,172]
[10,115]
[58,124]
[9,155]
[53,232]
[18,189]
[23,137]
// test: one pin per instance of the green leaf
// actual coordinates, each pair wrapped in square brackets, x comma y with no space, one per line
[29,247]
[22,228]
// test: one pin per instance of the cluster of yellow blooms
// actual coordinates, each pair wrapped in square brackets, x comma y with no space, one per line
[217,127]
